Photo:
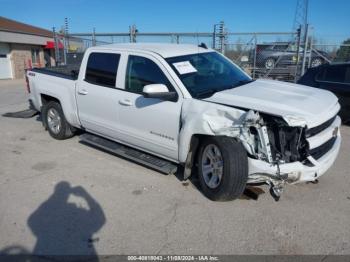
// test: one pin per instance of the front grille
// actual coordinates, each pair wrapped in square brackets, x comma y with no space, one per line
[318,129]
[320,151]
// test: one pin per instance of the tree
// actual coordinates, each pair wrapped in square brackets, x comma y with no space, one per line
[343,53]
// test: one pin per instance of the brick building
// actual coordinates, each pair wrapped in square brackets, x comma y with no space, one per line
[23,46]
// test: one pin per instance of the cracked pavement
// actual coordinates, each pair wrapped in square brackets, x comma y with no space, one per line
[103,204]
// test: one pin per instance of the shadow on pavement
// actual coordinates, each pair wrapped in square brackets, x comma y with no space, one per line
[63,227]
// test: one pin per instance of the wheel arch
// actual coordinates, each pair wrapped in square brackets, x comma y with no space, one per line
[45,99]
[67,110]
[202,119]
[192,153]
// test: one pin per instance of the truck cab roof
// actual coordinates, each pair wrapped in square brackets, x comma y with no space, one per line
[162,49]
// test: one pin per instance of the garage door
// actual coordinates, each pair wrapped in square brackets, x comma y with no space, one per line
[5,62]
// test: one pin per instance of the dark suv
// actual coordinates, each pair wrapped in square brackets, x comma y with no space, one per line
[282,54]
[335,78]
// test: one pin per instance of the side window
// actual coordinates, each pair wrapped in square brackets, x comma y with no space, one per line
[333,74]
[102,69]
[281,47]
[142,71]
[347,75]
[35,56]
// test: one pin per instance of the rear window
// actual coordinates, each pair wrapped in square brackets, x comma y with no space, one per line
[102,69]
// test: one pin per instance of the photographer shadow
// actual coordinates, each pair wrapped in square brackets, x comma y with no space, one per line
[65,228]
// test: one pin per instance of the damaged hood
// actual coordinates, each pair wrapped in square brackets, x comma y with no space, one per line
[295,103]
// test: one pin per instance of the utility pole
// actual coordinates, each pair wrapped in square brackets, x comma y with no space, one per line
[254,60]
[219,37]
[57,51]
[66,32]
[298,54]
[214,38]
[132,32]
[222,37]
[305,49]
[311,40]
[301,16]
[300,25]
[93,37]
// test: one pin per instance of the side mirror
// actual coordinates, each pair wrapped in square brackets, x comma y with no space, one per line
[159,91]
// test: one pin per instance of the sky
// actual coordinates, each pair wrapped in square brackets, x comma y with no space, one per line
[329,18]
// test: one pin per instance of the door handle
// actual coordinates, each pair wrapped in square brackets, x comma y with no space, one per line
[83,92]
[125,102]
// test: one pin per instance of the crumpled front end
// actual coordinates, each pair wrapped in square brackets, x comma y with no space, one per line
[299,154]
[280,150]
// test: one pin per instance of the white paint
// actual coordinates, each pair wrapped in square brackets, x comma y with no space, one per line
[312,105]
[162,49]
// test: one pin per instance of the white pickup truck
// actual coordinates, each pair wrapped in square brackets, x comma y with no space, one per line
[171,105]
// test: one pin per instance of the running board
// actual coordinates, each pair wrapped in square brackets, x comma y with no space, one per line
[137,156]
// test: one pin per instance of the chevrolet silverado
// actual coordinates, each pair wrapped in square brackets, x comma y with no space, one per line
[171,105]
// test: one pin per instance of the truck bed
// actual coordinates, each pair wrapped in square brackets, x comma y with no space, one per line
[69,71]
[56,82]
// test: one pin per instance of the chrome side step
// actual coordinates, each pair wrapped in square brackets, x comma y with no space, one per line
[135,155]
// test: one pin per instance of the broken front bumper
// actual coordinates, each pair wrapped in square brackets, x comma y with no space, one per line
[261,171]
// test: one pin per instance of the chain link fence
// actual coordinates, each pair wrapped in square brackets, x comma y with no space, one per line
[334,52]
[275,55]
[265,55]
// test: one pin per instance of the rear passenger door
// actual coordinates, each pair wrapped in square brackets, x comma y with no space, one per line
[97,96]
[149,123]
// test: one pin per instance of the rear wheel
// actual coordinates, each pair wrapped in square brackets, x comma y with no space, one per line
[316,62]
[55,122]
[223,168]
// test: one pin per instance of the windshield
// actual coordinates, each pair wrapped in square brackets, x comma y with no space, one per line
[204,74]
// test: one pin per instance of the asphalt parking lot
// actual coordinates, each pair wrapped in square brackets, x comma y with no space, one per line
[63,197]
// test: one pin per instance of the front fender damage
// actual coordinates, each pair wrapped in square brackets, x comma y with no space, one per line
[247,126]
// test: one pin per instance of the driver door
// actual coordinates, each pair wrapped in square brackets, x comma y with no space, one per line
[151,124]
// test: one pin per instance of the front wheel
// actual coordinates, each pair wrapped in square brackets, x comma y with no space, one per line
[223,168]
[55,122]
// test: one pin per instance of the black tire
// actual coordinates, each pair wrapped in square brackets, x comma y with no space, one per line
[270,63]
[66,130]
[235,169]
